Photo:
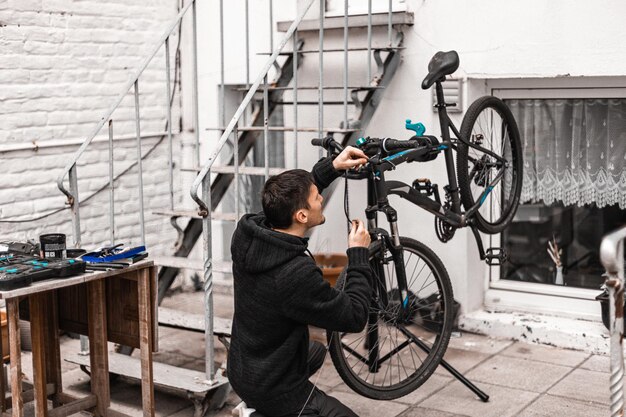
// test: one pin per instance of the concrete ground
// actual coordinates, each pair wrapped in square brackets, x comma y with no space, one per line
[522,380]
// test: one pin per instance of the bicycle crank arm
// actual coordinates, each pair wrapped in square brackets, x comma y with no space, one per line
[493,256]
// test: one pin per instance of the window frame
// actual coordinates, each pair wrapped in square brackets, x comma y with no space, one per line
[503,295]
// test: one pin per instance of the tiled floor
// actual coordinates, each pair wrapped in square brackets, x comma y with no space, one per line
[522,380]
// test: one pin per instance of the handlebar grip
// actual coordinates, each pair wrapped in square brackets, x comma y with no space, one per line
[327,143]
[393,144]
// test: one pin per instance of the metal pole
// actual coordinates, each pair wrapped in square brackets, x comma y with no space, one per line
[222,92]
[271,25]
[73,176]
[320,108]
[369,41]
[247,44]
[612,257]
[139,164]
[208,281]
[266,156]
[295,99]
[111,186]
[389,23]
[196,116]
[169,121]
[345,65]
[236,160]
[75,205]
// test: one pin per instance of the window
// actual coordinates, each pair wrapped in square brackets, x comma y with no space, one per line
[574,184]
[577,231]
[574,193]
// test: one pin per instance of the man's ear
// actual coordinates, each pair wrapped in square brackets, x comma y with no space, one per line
[301,216]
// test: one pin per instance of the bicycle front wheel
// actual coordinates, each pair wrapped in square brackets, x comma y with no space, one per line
[483,179]
[396,353]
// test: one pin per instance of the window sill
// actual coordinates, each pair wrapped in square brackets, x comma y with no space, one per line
[568,333]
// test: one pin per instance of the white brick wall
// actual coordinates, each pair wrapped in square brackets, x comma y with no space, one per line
[62,64]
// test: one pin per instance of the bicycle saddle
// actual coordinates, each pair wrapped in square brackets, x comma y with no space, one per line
[442,64]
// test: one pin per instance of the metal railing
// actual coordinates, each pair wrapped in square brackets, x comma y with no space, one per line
[612,257]
[201,187]
[70,169]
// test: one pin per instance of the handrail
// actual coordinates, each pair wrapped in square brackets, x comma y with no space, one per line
[612,258]
[204,209]
[609,249]
[119,99]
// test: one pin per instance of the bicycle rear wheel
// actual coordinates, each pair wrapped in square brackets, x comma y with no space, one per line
[490,124]
[394,355]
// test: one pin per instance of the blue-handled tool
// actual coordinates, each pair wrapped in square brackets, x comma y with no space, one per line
[418,127]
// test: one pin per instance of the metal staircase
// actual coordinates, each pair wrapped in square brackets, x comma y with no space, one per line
[214,179]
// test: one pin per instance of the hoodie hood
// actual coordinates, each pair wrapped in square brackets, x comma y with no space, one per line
[257,248]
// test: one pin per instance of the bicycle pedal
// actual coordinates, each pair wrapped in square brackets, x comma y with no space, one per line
[495,256]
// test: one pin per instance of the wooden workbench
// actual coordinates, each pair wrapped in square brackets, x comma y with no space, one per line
[117,306]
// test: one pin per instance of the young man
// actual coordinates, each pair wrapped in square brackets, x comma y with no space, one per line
[279,291]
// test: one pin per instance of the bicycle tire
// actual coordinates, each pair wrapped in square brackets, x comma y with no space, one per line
[443,317]
[475,174]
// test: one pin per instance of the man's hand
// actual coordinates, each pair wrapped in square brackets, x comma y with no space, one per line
[350,157]
[359,236]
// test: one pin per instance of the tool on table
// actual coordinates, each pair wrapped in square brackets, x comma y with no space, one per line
[114,257]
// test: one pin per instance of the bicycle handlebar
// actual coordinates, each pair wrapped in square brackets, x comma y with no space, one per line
[386,144]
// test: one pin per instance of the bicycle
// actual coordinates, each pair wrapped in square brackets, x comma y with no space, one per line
[411,315]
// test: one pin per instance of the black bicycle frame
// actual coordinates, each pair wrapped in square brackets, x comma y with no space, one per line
[378,190]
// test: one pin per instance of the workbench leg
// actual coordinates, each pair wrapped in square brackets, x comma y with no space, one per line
[53,350]
[145,340]
[37,319]
[15,351]
[3,389]
[98,348]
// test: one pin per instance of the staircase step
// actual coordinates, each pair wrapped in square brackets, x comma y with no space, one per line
[222,270]
[312,103]
[169,317]
[287,129]
[181,381]
[230,169]
[194,214]
[352,49]
[356,21]
[225,267]
[313,87]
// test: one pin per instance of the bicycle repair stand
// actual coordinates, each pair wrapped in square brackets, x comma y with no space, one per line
[460,377]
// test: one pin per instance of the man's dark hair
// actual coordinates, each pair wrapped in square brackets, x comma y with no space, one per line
[284,194]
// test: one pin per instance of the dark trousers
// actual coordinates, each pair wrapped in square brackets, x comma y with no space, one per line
[319,404]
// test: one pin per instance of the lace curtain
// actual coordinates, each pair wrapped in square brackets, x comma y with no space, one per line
[574,150]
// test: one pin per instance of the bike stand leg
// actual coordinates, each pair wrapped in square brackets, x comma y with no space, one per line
[459,376]
[481,394]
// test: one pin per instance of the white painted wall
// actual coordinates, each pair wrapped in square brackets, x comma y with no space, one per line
[62,63]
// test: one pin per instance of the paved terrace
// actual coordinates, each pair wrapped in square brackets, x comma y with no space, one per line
[523,380]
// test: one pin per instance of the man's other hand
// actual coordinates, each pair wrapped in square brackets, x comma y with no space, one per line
[350,157]
[359,236]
